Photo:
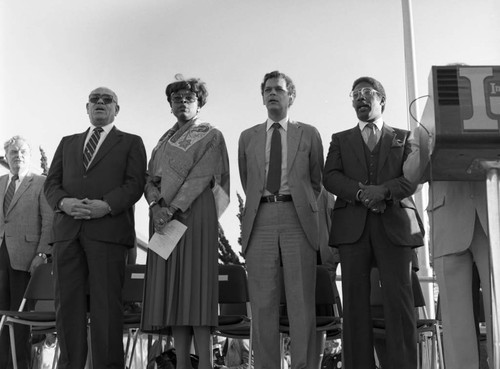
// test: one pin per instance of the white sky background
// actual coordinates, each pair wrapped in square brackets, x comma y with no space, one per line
[54,52]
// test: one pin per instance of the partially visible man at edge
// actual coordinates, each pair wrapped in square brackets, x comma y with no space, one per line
[25,225]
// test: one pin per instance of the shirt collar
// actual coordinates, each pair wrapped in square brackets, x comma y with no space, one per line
[379,123]
[283,122]
[107,128]
[21,175]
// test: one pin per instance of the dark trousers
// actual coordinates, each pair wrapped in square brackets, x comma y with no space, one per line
[394,263]
[89,270]
[13,283]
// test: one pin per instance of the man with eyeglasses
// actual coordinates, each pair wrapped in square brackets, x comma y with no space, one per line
[280,163]
[374,223]
[94,181]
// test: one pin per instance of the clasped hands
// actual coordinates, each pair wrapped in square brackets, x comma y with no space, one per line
[161,216]
[84,208]
[373,197]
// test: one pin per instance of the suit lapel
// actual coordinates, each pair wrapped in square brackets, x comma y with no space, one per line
[113,137]
[80,146]
[3,187]
[385,145]
[25,184]
[293,139]
[260,148]
[357,143]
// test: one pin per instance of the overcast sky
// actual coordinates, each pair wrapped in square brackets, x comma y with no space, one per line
[53,52]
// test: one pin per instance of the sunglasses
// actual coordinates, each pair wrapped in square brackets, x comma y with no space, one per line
[106,99]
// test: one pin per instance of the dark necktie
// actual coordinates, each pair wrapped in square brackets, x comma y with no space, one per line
[372,137]
[91,145]
[274,171]
[9,194]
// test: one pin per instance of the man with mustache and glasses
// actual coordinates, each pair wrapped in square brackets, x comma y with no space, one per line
[94,181]
[374,222]
[280,163]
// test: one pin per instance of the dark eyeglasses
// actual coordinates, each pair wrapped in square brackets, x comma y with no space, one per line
[179,98]
[365,92]
[106,99]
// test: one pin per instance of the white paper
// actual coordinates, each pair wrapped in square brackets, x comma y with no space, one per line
[164,243]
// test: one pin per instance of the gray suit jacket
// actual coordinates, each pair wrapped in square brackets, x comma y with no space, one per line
[305,165]
[452,210]
[452,204]
[27,224]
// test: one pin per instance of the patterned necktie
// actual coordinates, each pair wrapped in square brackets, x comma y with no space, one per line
[91,145]
[9,194]
[274,171]
[372,137]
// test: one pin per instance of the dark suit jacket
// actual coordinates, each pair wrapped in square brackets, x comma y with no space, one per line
[346,166]
[117,175]
[305,161]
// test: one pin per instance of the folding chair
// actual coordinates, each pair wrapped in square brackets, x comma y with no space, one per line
[429,330]
[234,305]
[133,289]
[42,320]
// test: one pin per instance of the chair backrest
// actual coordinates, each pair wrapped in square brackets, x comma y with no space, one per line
[324,287]
[133,285]
[232,284]
[41,284]
[233,290]
[325,295]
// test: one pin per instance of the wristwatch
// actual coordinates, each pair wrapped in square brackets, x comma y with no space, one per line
[42,255]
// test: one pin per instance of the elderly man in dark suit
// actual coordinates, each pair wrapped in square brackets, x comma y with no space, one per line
[25,225]
[374,222]
[280,163]
[94,181]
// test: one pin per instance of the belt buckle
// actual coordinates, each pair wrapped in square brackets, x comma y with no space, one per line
[274,198]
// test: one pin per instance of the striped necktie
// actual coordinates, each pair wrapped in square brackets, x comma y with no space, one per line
[9,194]
[91,145]
[274,171]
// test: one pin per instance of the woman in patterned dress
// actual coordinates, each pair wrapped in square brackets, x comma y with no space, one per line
[188,180]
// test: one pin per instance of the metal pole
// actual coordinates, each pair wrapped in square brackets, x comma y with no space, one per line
[493,201]
[420,197]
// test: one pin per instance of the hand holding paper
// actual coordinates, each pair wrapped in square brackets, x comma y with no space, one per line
[164,243]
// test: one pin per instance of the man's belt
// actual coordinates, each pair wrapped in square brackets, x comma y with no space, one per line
[276,198]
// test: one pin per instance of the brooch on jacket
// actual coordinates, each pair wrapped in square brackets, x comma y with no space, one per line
[396,142]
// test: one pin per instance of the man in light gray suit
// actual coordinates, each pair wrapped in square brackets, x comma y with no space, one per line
[459,238]
[25,226]
[280,163]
